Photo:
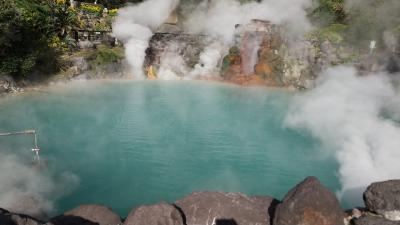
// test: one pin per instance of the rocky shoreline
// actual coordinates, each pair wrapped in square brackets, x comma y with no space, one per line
[308,203]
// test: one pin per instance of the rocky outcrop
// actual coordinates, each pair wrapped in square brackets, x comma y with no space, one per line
[95,213]
[172,50]
[69,220]
[373,220]
[7,85]
[262,54]
[213,207]
[7,218]
[309,203]
[263,50]
[162,213]
[383,198]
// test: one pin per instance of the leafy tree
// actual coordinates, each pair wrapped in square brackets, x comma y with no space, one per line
[31,36]
[328,12]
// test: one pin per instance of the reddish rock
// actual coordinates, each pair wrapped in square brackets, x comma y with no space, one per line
[95,213]
[226,208]
[309,203]
[159,214]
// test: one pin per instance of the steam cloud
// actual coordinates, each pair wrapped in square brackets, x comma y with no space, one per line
[27,190]
[134,26]
[373,20]
[218,18]
[346,112]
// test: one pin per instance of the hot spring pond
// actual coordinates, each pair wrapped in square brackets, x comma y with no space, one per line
[133,143]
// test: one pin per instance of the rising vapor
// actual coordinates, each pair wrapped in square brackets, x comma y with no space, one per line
[28,190]
[345,112]
[135,25]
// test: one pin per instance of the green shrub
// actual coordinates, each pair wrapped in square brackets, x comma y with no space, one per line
[91,8]
[105,55]
[113,12]
[333,33]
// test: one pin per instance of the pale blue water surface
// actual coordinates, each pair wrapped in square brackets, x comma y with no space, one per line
[133,143]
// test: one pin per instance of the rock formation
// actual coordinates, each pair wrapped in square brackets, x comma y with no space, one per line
[383,198]
[69,220]
[261,54]
[173,46]
[162,213]
[374,220]
[210,207]
[309,203]
[7,218]
[7,84]
[95,213]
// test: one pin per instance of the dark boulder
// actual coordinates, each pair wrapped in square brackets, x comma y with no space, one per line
[95,213]
[384,199]
[7,218]
[70,220]
[226,208]
[162,213]
[309,203]
[374,220]
[7,84]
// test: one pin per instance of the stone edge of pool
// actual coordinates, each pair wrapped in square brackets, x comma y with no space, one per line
[309,202]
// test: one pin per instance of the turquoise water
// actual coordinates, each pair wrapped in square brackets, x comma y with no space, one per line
[134,143]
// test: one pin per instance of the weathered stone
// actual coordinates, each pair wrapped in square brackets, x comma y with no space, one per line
[95,213]
[356,213]
[212,207]
[7,84]
[80,63]
[7,218]
[384,199]
[374,220]
[309,203]
[70,220]
[167,45]
[24,220]
[161,213]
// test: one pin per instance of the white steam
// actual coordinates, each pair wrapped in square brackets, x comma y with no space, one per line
[135,25]
[219,18]
[172,63]
[345,112]
[209,61]
[28,190]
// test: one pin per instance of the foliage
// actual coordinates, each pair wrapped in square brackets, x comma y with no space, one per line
[64,17]
[113,12]
[333,33]
[32,34]
[91,8]
[102,26]
[329,11]
[112,4]
[105,55]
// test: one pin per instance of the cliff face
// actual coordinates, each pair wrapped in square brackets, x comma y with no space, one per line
[164,46]
[264,51]
[261,55]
